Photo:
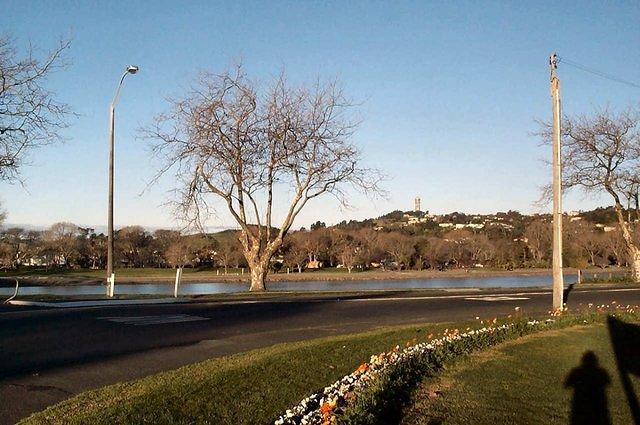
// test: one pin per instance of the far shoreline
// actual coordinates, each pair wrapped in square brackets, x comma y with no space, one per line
[91,277]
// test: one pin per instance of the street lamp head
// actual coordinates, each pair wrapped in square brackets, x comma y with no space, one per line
[132,69]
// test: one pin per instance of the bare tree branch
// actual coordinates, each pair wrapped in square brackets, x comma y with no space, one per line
[30,116]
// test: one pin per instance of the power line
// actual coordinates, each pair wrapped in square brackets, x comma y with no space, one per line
[598,73]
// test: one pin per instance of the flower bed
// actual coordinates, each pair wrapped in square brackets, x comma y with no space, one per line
[375,390]
[322,407]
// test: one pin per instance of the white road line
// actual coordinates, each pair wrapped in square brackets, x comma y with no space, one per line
[153,320]
[513,294]
[490,298]
[439,297]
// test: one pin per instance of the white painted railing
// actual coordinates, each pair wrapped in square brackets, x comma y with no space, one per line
[15,293]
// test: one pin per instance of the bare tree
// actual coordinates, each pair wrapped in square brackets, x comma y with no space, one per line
[437,252]
[30,116]
[131,245]
[316,243]
[615,247]
[62,240]
[95,250]
[371,246]
[422,251]
[401,248]
[13,246]
[458,246]
[228,251]
[229,141]
[601,154]
[583,236]
[179,253]
[296,252]
[348,254]
[537,236]
[162,240]
[482,249]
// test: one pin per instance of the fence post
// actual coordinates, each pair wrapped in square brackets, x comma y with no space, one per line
[178,277]
[579,276]
[111,285]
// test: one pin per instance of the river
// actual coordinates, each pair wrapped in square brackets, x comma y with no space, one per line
[229,288]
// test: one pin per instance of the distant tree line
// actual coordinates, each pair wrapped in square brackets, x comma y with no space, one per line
[66,245]
[525,242]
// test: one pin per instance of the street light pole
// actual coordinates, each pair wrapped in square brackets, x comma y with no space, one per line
[111,277]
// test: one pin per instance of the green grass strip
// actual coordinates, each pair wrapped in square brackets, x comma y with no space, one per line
[527,382]
[257,386]
[248,388]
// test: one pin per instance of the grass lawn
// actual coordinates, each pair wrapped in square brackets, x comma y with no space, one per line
[248,388]
[523,382]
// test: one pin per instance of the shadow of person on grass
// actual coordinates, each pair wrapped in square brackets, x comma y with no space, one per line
[625,340]
[589,382]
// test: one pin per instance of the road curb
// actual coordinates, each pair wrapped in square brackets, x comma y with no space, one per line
[96,303]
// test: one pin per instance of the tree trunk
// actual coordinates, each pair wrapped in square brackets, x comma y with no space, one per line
[632,249]
[258,277]
[634,256]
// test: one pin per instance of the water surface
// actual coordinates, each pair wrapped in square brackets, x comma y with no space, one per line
[192,288]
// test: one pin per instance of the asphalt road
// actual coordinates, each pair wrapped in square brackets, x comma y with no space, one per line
[48,355]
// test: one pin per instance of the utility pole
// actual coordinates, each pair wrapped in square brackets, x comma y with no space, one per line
[558,284]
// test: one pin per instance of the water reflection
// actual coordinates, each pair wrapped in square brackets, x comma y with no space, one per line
[227,288]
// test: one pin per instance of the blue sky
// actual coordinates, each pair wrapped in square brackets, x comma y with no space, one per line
[449,92]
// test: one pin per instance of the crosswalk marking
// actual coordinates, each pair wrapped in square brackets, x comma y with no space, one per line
[498,298]
[153,320]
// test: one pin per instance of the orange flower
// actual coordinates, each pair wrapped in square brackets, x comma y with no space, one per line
[327,411]
[327,408]
[362,368]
